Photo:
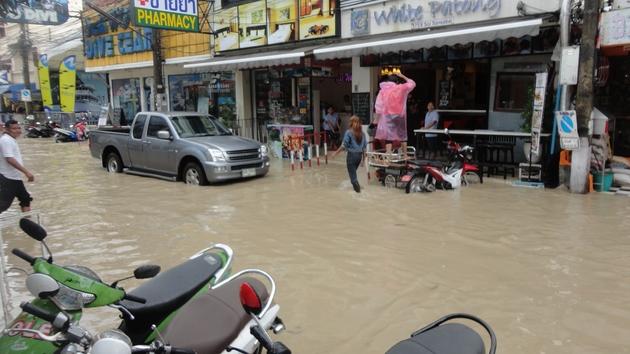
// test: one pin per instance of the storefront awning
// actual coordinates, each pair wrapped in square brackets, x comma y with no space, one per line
[396,42]
[253,61]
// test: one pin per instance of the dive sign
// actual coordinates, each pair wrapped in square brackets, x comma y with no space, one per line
[178,15]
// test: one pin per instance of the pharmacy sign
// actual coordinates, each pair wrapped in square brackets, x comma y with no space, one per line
[178,15]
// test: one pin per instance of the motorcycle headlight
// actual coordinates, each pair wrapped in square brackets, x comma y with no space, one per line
[263,150]
[112,341]
[217,155]
[69,299]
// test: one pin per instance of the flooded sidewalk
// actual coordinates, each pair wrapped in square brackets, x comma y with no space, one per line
[355,272]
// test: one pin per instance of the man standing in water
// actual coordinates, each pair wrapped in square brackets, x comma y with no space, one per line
[11,166]
[391,111]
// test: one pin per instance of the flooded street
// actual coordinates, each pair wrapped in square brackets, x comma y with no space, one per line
[355,272]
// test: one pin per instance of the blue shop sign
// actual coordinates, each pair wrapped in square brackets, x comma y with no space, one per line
[126,43]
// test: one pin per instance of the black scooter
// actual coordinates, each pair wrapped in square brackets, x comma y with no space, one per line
[438,337]
[441,337]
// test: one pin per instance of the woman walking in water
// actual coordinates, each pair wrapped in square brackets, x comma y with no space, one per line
[355,142]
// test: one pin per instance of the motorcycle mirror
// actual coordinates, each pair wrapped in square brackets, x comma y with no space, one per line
[146,271]
[445,130]
[250,299]
[33,229]
[41,285]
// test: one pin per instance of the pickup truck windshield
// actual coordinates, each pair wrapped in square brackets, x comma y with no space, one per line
[191,126]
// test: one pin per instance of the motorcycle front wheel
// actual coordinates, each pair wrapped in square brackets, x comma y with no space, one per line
[415,185]
[471,177]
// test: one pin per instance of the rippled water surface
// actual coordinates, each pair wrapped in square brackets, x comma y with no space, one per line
[355,272]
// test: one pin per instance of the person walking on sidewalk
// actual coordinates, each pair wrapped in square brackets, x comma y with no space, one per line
[11,166]
[355,142]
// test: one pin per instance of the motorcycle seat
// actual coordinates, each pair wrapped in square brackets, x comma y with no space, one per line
[433,163]
[450,338]
[209,323]
[168,291]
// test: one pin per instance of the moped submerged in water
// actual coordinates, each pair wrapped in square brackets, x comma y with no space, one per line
[168,303]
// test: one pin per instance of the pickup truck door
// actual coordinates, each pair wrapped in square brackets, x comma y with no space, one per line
[136,145]
[160,153]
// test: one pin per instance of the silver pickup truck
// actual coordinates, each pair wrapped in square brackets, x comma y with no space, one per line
[181,146]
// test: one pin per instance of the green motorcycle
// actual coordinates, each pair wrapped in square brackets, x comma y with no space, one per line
[166,306]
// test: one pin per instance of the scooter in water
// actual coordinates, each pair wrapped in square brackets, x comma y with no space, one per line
[65,136]
[171,302]
[457,171]
[441,337]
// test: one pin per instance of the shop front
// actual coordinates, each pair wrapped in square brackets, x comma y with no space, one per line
[278,83]
[613,79]
[477,64]
[124,53]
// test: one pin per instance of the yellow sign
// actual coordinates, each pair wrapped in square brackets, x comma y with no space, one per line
[166,20]
[44,80]
[67,83]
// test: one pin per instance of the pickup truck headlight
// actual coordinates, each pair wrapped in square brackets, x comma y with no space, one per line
[263,150]
[217,155]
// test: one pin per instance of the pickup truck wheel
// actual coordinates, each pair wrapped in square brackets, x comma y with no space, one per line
[194,175]
[114,163]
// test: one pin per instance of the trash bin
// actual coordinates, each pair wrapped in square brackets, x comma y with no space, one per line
[603,181]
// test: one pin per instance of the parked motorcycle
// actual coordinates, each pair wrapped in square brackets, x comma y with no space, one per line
[38,131]
[194,304]
[457,171]
[441,337]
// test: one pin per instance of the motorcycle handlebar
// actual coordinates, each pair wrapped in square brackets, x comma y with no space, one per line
[25,256]
[135,298]
[59,322]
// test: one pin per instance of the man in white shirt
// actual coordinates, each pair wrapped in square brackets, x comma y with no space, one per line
[11,166]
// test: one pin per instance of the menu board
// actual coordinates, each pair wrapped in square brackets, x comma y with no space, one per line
[361,106]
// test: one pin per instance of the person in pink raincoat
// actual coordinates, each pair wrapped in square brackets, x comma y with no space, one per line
[391,111]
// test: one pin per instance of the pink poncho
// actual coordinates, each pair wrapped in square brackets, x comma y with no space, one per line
[391,106]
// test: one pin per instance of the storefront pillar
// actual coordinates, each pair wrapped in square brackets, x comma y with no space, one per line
[244,116]
[364,79]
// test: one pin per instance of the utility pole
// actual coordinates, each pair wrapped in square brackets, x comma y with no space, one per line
[158,80]
[580,161]
[25,50]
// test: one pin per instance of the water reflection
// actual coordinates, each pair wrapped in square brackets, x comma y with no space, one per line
[356,272]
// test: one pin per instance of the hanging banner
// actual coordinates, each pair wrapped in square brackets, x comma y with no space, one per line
[67,83]
[44,81]
[537,114]
[44,12]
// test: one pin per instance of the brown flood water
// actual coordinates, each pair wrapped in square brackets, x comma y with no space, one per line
[355,272]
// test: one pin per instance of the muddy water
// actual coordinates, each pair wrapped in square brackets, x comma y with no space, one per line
[357,272]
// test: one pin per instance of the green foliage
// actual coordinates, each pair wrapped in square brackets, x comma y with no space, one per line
[526,115]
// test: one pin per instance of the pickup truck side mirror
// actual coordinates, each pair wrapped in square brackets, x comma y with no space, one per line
[164,134]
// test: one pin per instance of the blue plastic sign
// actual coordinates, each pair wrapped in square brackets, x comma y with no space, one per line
[567,128]
[25,95]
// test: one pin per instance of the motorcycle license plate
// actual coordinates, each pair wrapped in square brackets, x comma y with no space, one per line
[406,178]
[249,172]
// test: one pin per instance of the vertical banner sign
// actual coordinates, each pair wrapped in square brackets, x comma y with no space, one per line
[67,83]
[44,80]
[178,15]
[537,113]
